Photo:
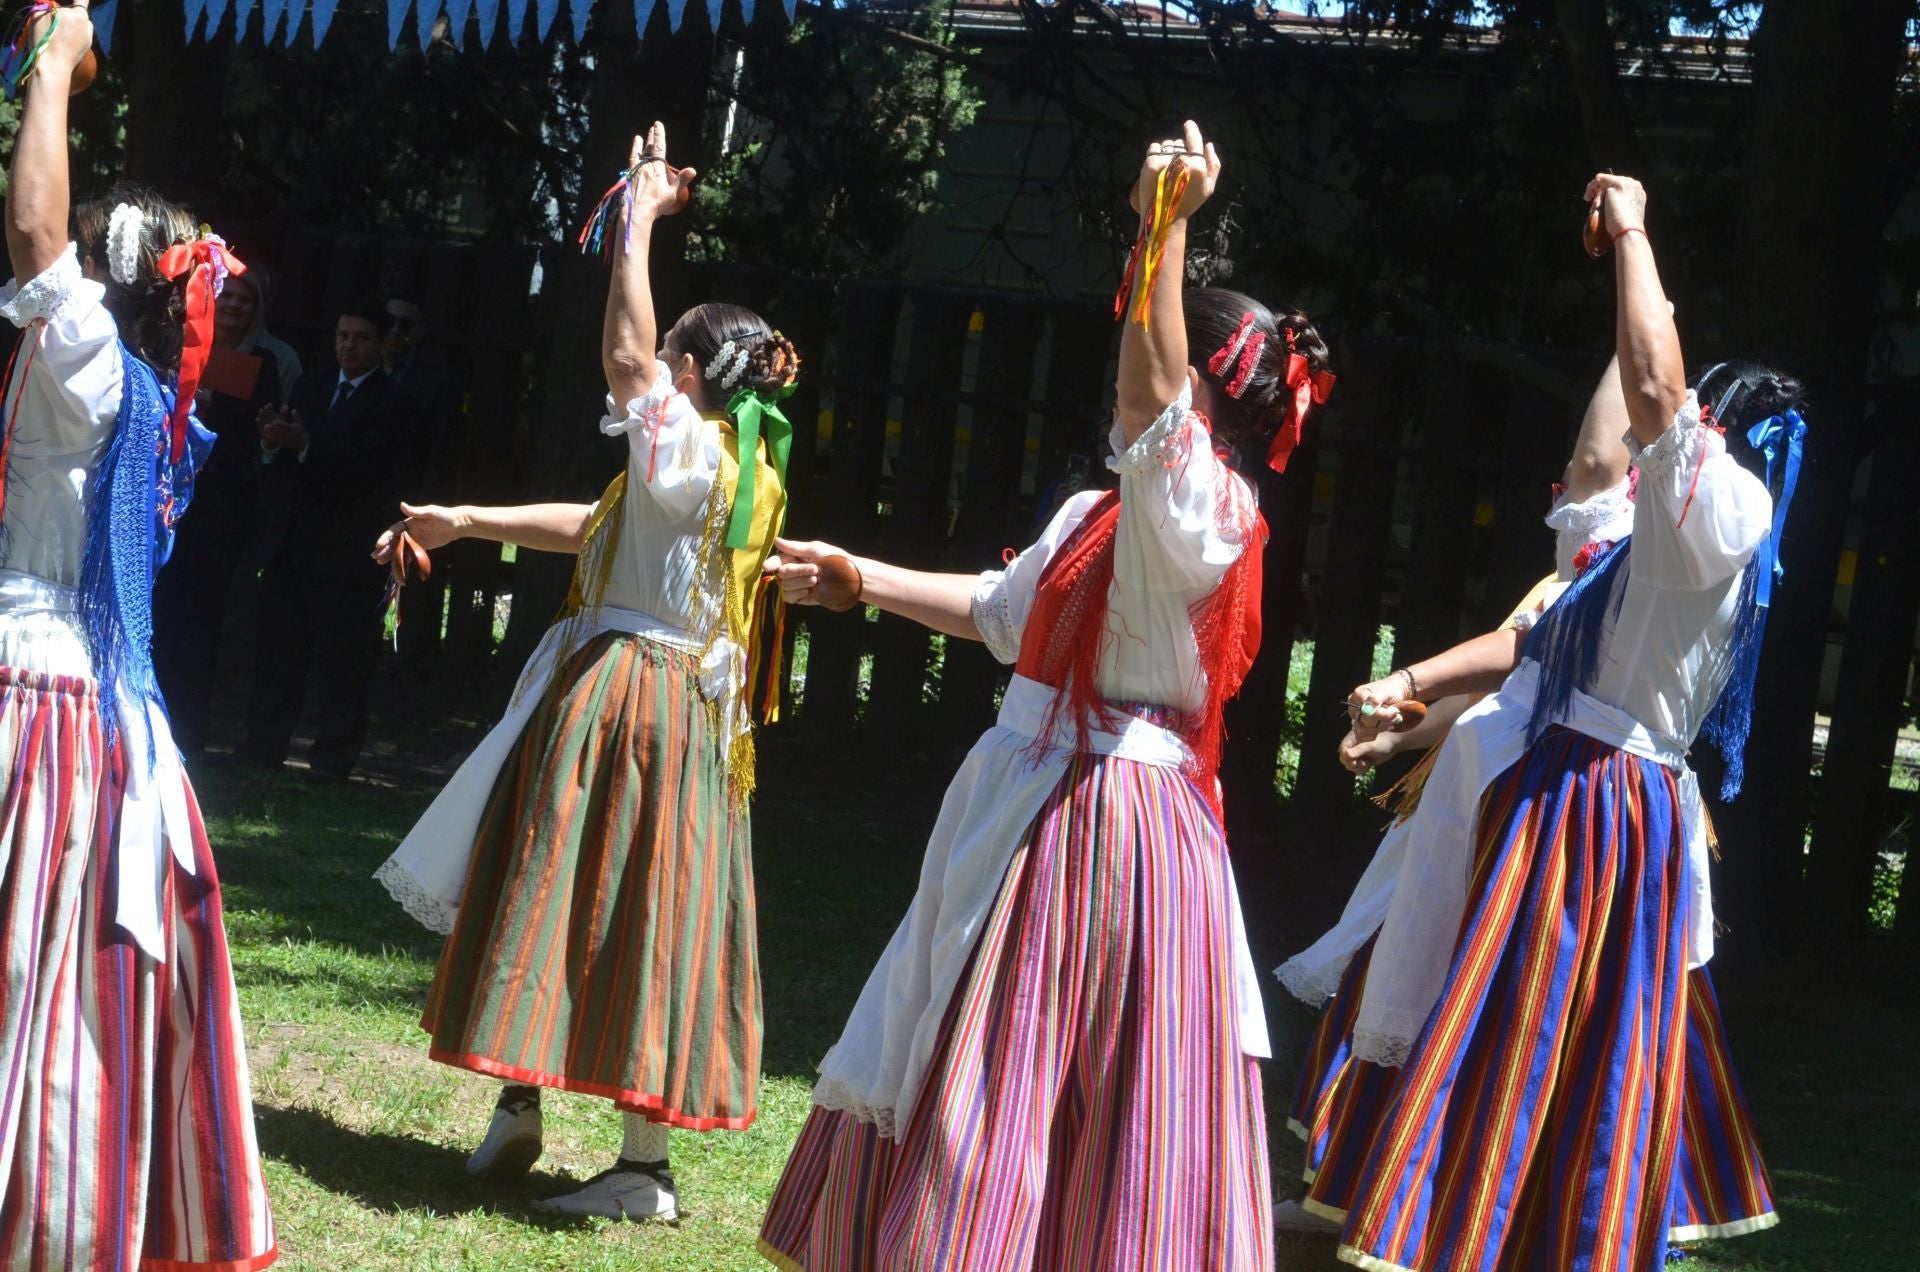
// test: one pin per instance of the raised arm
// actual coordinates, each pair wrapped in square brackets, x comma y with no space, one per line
[1153,355]
[1477,665]
[37,193]
[1653,373]
[1599,460]
[630,335]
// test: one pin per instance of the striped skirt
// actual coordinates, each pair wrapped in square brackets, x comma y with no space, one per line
[605,942]
[1539,1120]
[1720,1185]
[1089,1106]
[126,1123]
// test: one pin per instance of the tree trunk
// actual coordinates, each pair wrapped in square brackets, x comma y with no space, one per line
[1813,206]
[1871,698]
[1611,142]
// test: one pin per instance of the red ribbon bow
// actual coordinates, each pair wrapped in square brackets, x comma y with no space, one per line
[197,262]
[1309,388]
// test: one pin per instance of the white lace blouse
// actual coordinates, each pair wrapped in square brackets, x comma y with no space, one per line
[68,383]
[1185,517]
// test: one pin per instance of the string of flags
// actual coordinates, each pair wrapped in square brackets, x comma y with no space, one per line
[282,20]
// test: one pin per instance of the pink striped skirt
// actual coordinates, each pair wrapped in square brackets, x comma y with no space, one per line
[126,1124]
[1089,1106]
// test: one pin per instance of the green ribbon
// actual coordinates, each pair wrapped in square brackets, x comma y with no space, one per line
[751,409]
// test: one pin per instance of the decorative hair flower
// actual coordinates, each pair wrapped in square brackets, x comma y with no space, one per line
[123,244]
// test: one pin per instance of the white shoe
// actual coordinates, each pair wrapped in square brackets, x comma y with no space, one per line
[618,1193]
[512,1144]
[1291,1216]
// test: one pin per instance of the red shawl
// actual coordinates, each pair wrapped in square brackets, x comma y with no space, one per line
[1068,628]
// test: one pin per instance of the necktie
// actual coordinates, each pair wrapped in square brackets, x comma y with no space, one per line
[340,395]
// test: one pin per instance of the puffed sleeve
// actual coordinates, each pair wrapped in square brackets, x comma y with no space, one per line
[1185,516]
[1699,515]
[675,452]
[1002,599]
[73,379]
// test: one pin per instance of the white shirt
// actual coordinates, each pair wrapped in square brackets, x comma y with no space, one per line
[1185,517]
[68,402]
[1663,659]
[673,460]
[1576,523]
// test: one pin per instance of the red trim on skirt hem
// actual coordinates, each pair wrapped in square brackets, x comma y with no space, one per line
[230,1265]
[651,1107]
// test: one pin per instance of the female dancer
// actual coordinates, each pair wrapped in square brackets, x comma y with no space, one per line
[1520,1057]
[589,862]
[126,1127]
[1053,1064]
[1720,1184]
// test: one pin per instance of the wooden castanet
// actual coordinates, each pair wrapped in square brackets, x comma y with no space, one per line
[409,560]
[839,585]
[1593,235]
[1411,714]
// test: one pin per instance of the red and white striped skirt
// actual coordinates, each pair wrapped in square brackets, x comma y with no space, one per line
[126,1123]
[1089,1107]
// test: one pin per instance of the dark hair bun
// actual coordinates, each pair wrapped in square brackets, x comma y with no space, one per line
[773,364]
[1215,317]
[1741,394]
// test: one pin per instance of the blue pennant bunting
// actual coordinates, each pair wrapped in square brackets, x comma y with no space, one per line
[642,14]
[396,18]
[544,12]
[790,6]
[676,10]
[103,24]
[271,11]
[322,19]
[489,11]
[516,20]
[714,8]
[457,13]
[216,14]
[242,14]
[579,10]
[196,10]
[424,13]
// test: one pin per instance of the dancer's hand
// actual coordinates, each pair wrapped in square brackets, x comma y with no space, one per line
[429,525]
[1193,152]
[1623,203]
[72,40]
[797,567]
[1373,707]
[1357,756]
[659,189]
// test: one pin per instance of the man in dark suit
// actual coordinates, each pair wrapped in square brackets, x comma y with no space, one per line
[335,462]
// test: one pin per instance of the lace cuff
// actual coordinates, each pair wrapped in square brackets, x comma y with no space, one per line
[1312,984]
[1583,517]
[991,616]
[1524,620]
[1163,443]
[1680,446]
[426,909]
[647,410]
[44,295]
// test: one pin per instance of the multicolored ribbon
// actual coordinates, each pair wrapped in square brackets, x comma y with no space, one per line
[752,410]
[1308,388]
[593,235]
[22,52]
[204,263]
[1150,249]
[1782,439]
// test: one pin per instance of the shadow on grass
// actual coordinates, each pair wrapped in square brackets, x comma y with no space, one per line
[392,1173]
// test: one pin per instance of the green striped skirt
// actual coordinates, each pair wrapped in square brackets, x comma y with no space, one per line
[605,942]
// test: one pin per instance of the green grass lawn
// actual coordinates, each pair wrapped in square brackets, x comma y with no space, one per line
[365,1138]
